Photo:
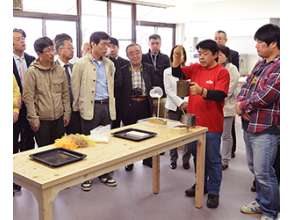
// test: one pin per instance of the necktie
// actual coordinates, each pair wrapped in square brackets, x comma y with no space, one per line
[21,71]
[68,80]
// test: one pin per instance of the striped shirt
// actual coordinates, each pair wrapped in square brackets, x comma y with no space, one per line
[263,104]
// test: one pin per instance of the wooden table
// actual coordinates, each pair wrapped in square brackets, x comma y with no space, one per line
[45,182]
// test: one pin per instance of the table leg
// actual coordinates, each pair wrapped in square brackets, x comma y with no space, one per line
[156,174]
[200,172]
[45,199]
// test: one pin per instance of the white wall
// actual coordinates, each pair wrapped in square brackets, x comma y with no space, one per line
[240,34]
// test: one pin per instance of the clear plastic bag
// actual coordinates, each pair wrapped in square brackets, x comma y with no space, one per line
[100,134]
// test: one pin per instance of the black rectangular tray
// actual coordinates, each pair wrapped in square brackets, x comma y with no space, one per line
[122,134]
[58,156]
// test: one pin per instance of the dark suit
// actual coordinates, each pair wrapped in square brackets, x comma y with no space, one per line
[117,84]
[122,62]
[74,125]
[132,111]
[235,58]
[128,111]
[162,62]
[22,126]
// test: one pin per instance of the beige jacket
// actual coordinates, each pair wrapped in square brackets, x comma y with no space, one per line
[45,93]
[230,101]
[83,85]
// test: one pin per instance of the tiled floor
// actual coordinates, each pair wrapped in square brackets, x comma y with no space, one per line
[132,198]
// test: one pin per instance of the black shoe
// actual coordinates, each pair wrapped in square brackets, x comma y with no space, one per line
[147,163]
[186,166]
[191,191]
[233,155]
[212,201]
[173,165]
[16,187]
[129,167]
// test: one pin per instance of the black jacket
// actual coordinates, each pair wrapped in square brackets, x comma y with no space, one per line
[126,89]
[122,62]
[162,62]
[29,59]
[235,58]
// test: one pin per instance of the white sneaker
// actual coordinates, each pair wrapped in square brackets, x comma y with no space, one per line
[107,181]
[87,185]
[251,208]
[266,218]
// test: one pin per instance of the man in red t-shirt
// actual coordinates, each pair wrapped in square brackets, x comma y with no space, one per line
[206,100]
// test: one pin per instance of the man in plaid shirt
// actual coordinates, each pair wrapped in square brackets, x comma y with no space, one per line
[258,104]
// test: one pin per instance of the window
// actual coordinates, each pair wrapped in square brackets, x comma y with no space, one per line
[80,18]
[94,18]
[122,48]
[143,33]
[121,25]
[121,18]
[150,14]
[67,7]
[54,27]
[166,34]
[33,29]
[147,24]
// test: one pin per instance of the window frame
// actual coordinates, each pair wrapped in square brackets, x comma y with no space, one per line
[77,19]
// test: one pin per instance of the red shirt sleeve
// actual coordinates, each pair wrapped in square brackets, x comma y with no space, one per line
[189,70]
[223,81]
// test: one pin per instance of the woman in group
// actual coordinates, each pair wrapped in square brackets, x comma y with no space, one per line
[175,106]
[224,59]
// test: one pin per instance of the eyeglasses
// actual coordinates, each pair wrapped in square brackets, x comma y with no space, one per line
[49,51]
[105,44]
[134,54]
[19,39]
[219,38]
[69,48]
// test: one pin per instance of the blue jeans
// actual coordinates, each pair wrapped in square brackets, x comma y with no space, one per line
[213,162]
[261,150]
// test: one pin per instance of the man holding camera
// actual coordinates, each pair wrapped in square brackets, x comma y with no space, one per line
[137,80]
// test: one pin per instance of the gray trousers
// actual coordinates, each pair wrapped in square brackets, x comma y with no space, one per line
[176,115]
[101,117]
[227,140]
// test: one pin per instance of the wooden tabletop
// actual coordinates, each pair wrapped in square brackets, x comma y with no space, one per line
[99,156]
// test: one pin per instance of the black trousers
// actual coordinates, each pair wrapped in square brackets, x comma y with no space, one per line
[139,110]
[234,137]
[49,131]
[74,125]
[23,128]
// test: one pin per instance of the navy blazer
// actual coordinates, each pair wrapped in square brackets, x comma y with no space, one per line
[126,90]
[29,59]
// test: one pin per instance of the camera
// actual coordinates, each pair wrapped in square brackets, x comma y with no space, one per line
[137,91]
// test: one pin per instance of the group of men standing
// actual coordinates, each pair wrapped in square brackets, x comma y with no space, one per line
[99,89]
[102,88]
